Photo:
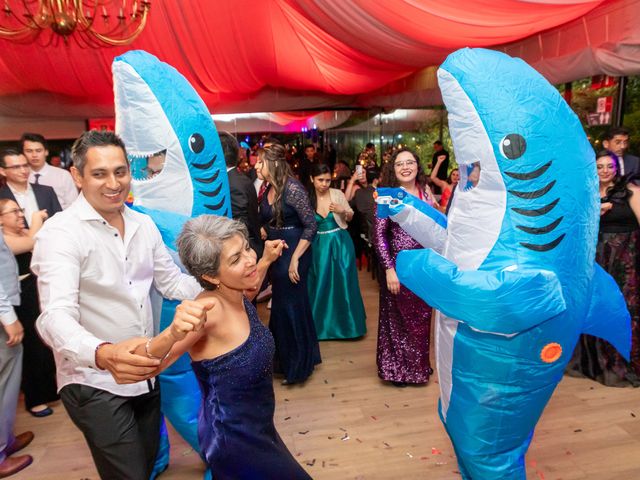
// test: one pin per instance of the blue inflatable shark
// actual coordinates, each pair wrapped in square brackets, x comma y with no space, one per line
[512,269]
[179,172]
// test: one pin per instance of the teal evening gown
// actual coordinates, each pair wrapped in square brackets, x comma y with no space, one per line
[334,290]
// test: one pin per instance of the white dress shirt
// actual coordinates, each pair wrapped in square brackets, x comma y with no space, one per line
[26,200]
[58,179]
[94,288]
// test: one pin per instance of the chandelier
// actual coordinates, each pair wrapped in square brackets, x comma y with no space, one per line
[91,23]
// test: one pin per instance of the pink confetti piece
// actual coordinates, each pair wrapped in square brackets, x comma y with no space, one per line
[435,451]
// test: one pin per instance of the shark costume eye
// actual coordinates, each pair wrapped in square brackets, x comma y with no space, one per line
[196,143]
[513,146]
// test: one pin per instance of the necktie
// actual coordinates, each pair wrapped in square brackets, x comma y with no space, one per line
[37,175]
[263,188]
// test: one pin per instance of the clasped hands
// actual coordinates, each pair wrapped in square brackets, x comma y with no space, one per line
[127,366]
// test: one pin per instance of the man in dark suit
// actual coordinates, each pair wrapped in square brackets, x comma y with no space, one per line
[244,200]
[31,197]
[616,140]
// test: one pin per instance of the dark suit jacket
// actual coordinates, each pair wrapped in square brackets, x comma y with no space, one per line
[46,198]
[244,206]
[631,165]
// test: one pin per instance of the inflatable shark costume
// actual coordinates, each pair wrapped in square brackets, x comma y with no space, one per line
[159,113]
[512,269]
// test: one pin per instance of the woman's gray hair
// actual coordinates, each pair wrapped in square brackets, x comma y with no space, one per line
[200,244]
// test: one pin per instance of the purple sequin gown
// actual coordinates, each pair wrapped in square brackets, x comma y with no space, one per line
[404,323]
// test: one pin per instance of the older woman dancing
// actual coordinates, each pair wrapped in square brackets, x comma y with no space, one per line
[232,352]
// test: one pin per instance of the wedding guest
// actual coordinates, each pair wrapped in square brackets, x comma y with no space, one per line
[232,352]
[617,252]
[404,323]
[334,290]
[38,367]
[11,335]
[445,186]
[285,207]
[30,196]
[96,262]
[34,148]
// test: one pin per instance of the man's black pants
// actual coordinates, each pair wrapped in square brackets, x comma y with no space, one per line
[122,432]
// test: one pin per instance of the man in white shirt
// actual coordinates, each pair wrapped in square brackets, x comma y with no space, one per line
[96,262]
[34,148]
[10,366]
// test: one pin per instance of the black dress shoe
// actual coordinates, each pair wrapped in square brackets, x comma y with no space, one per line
[42,413]
[399,384]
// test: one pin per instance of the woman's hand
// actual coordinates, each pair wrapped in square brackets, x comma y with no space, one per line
[15,333]
[335,208]
[293,270]
[393,284]
[605,207]
[190,316]
[273,250]
[357,176]
[263,233]
[41,215]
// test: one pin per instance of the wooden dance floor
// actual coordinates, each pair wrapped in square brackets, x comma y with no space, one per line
[346,424]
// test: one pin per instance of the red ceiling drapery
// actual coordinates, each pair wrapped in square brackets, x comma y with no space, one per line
[248,55]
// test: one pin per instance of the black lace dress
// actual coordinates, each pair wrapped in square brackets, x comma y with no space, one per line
[291,322]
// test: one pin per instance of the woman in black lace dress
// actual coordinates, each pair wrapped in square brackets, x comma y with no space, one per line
[285,207]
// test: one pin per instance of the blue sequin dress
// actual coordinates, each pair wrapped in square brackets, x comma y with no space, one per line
[237,436]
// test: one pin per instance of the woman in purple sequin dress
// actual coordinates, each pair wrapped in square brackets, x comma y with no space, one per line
[404,324]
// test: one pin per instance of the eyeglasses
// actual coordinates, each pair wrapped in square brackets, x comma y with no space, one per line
[16,211]
[405,163]
[24,166]
[151,172]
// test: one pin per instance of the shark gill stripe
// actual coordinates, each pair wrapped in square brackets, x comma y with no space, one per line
[541,230]
[210,179]
[204,166]
[529,175]
[536,212]
[213,193]
[535,194]
[545,247]
[217,206]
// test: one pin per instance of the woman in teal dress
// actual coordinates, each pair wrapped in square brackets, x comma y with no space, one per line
[334,290]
